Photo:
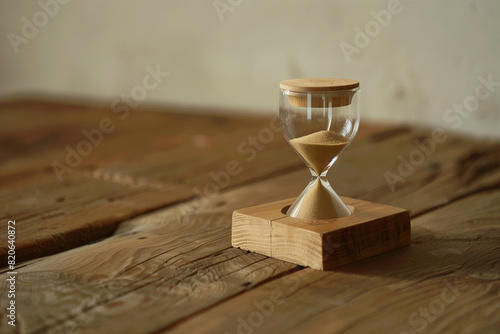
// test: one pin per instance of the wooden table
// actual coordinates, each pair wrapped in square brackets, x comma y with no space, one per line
[135,237]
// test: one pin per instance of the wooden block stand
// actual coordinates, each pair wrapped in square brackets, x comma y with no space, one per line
[321,244]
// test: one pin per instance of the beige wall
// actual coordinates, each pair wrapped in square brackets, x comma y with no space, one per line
[429,57]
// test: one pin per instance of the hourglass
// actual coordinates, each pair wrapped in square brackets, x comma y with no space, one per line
[319,118]
[320,229]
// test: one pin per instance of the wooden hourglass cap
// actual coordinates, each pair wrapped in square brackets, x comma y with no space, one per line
[320,86]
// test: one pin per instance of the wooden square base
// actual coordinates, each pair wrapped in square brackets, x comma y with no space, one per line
[321,244]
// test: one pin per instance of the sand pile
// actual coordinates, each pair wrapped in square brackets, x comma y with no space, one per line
[319,148]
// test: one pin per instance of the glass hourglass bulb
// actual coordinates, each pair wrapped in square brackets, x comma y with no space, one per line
[319,118]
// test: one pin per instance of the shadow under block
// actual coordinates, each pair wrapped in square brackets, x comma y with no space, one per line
[321,244]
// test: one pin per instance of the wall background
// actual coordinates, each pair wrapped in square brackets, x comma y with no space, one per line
[426,59]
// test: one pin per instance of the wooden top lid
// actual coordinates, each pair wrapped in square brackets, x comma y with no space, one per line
[302,89]
[318,84]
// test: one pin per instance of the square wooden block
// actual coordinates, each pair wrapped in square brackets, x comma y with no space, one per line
[321,244]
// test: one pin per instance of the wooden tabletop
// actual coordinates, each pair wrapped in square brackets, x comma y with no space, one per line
[131,234]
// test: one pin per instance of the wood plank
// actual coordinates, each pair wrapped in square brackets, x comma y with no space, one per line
[447,281]
[168,264]
[456,167]
[55,216]
[101,285]
[151,160]
[153,271]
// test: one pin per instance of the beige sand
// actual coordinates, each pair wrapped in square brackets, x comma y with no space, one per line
[319,148]
[317,204]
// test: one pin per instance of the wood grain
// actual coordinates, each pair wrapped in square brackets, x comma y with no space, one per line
[96,275]
[447,281]
[168,264]
[456,168]
[151,160]
[321,244]
[173,270]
